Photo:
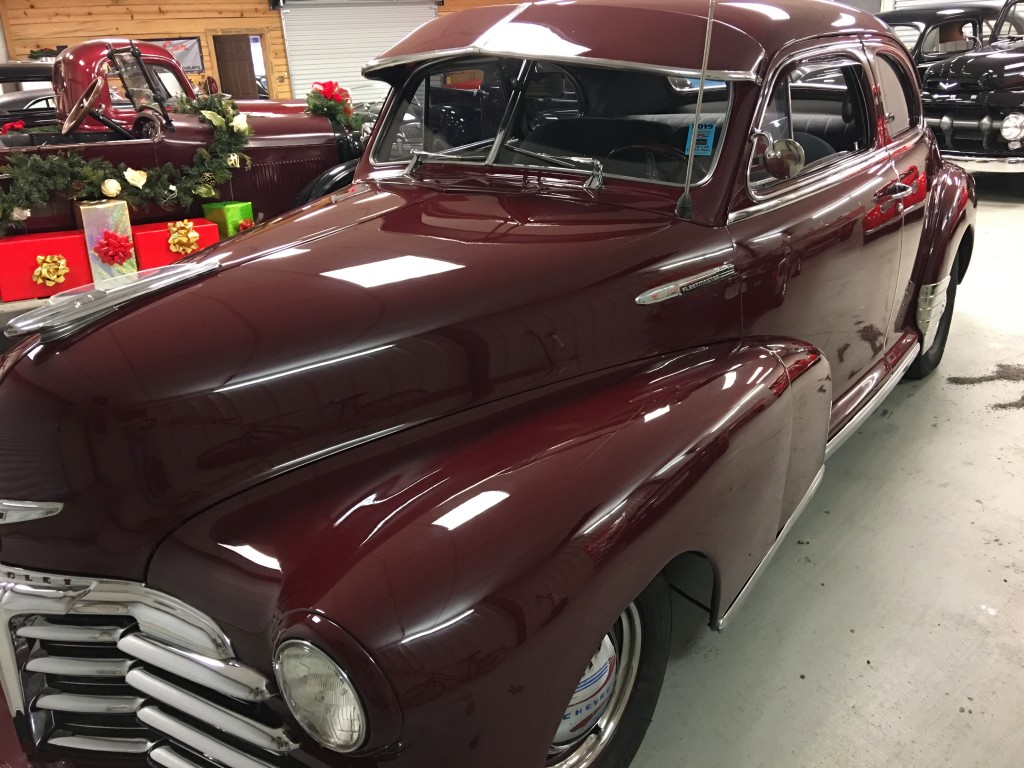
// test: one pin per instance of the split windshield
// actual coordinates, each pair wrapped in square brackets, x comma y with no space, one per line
[508,112]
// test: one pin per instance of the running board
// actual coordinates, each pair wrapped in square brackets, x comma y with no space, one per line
[763,565]
[869,407]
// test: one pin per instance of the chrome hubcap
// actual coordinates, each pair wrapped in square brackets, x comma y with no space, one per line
[595,710]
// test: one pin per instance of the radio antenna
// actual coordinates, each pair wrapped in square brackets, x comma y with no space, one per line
[684,208]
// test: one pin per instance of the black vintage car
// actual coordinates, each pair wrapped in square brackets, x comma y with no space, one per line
[22,101]
[935,32]
[975,101]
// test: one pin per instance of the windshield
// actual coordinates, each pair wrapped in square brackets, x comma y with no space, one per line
[1011,21]
[510,112]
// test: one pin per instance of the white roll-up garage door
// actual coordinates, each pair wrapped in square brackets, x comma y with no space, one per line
[333,39]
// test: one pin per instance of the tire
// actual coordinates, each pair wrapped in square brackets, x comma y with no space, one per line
[614,737]
[930,358]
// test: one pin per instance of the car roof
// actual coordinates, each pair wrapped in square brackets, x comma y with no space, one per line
[18,99]
[931,14]
[26,72]
[663,34]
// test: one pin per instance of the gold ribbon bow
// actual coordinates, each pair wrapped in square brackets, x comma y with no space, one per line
[183,238]
[51,270]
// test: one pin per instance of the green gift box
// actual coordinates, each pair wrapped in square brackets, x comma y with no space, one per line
[227,216]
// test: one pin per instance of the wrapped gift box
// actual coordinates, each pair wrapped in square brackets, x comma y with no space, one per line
[153,242]
[228,216]
[19,260]
[108,236]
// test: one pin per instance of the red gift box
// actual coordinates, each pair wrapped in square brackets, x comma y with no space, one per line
[18,263]
[152,245]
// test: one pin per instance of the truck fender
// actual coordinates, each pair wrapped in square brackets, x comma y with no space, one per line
[331,180]
[478,558]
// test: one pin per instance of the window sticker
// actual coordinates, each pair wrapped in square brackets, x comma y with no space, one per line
[705,139]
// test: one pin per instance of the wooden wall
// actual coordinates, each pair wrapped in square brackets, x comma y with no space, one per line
[36,24]
[451,6]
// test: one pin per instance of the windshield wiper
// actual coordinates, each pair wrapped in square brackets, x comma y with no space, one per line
[594,181]
[419,156]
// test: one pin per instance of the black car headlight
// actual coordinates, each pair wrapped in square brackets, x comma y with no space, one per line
[320,696]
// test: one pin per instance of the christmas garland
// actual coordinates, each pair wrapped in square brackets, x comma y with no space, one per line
[333,102]
[35,179]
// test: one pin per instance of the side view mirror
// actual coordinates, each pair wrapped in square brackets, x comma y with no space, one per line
[974,41]
[783,158]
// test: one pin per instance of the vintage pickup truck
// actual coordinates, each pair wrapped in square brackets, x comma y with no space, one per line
[115,100]
[397,479]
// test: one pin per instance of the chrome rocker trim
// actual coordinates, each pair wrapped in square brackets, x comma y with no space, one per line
[876,400]
[763,565]
[976,164]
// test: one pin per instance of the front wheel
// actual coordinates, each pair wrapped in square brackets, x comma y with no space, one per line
[930,358]
[608,714]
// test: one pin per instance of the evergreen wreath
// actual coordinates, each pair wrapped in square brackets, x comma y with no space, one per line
[333,102]
[35,179]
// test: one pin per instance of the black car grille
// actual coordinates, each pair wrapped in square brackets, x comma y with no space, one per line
[121,678]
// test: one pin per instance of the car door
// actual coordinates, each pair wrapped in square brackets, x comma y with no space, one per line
[907,142]
[823,247]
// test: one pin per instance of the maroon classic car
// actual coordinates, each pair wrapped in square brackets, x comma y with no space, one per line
[396,479]
[115,99]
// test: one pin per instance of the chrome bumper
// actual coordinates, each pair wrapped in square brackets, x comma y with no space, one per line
[977,164]
[97,668]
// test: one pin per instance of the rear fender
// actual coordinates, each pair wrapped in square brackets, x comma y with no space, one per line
[478,559]
[950,213]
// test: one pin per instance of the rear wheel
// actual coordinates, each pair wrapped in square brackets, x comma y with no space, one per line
[608,714]
[930,358]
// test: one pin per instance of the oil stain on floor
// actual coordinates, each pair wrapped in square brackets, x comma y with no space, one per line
[1003,372]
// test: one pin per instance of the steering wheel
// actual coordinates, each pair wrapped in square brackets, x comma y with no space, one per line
[85,102]
[651,152]
[148,123]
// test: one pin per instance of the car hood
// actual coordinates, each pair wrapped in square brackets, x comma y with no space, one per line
[347,320]
[994,66]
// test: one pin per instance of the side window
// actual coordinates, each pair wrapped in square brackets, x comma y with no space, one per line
[897,96]
[455,108]
[821,105]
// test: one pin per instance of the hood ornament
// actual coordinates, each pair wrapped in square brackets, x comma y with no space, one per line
[12,511]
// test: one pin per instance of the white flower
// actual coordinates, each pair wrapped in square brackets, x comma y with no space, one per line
[111,187]
[240,124]
[20,214]
[135,178]
[233,161]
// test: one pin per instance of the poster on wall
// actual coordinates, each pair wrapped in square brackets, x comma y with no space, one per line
[187,51]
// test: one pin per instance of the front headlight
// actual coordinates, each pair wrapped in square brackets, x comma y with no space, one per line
[1013,127]
[320,696]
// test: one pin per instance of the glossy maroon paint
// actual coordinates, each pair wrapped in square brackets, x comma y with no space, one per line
[337,430]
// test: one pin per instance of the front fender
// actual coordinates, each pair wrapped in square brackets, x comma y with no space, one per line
[479,559]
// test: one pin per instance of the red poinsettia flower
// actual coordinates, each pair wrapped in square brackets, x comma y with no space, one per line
[17,125]
[331,91]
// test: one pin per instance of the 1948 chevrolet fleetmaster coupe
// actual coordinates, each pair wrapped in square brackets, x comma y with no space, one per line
[395,478]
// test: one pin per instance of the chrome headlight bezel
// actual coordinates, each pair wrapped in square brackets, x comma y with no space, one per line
[314,719]
[1013,127]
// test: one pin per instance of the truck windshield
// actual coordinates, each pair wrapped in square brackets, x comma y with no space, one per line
[507,112]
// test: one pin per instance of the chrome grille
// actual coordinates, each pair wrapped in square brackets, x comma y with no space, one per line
[115,668]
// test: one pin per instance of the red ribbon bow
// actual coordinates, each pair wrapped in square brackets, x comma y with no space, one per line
[114,249]
[17,125]
[332,91]
[245,224]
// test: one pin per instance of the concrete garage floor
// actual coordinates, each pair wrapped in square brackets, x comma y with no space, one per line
[889,630]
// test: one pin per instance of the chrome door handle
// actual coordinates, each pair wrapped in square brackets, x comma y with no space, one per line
[895,191]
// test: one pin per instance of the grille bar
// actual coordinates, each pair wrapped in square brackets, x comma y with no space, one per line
[271,739]
[102,744]
[66,665]
[85,704]
[199,741]
[169,758]
[227,677]
[41,629]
